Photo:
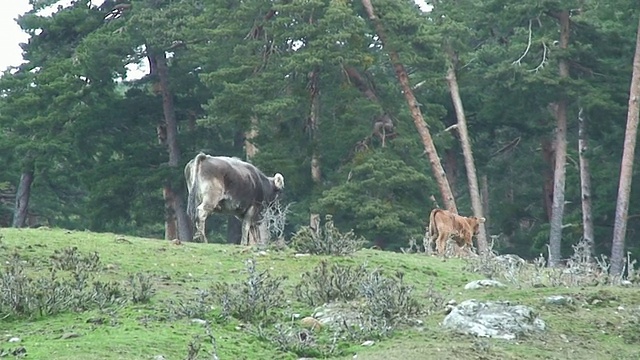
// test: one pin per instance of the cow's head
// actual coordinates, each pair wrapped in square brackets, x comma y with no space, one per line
[278,181]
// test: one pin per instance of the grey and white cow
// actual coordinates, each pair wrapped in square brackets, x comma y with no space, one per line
[228,185]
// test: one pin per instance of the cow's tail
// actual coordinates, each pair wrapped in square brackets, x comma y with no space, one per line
[193,187]
[432,224]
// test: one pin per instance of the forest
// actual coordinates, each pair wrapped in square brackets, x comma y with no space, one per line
[375,111]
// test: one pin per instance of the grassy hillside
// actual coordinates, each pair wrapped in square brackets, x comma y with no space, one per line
[112,318]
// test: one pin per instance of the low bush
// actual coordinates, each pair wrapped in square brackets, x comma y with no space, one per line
[327,240]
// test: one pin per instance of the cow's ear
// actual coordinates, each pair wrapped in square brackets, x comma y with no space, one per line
[481,220]
[278,181]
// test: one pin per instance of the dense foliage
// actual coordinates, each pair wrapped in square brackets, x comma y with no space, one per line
[309,76]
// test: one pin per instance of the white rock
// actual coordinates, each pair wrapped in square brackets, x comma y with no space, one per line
[14,339]
[199,321]
[368,343]
[479,284]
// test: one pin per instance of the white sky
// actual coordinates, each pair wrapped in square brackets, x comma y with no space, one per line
[12,35]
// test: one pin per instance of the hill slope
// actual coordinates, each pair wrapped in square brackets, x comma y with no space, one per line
[112,318]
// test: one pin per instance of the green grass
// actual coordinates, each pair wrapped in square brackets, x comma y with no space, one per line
[143,331]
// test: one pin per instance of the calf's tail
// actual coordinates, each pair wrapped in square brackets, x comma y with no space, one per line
[193,188]
[432,224]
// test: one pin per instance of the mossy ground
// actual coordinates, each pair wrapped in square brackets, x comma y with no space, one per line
[588,330]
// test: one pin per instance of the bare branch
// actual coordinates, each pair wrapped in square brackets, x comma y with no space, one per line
[512,144]
[544,59]
[452,127]
[526,51]
[275,218]
[418,85]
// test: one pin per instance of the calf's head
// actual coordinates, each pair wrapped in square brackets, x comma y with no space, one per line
[475,222]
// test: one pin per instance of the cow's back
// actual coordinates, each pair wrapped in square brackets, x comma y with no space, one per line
[242,181]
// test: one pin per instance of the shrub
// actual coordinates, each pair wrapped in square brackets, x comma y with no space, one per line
[198,307]
[327,240]
[329,282]
[140,288]
[69,259]
[388,302]
[70,285]
[254,299]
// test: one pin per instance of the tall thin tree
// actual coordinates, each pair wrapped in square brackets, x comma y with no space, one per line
[560,142]
[626,169]
[416,114]
[585,182]
[474,192]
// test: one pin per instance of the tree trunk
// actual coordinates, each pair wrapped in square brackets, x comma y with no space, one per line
[234,230]
[234,225]
[170,219]
[360,83]
[314,121]
[484,193]
[585,183]
[559,173]
[469,164]
[23,194]
[626,168]
[251,150]
[547,185]
[418,120]
[250,147]
[159,69]
[450,164]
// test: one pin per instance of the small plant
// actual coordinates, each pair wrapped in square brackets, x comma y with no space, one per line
[329,282]
[194,348]
[274,218]
[69,259]
[195,308]
[303,342]
[25,296]
[17,296]
[630,328]
[140,288]
[389,298]
[253,299]
[327,240]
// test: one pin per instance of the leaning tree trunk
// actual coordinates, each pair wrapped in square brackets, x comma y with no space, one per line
[23,193]
[472,178]
[626,168]
[361,84]
[314,120]
[585,183]
[559,173]
[484,196]
[418,120]
[158,67]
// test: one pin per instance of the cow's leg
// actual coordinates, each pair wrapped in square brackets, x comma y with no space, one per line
[248,224]
[246,228]
[202,212]
[210,201]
